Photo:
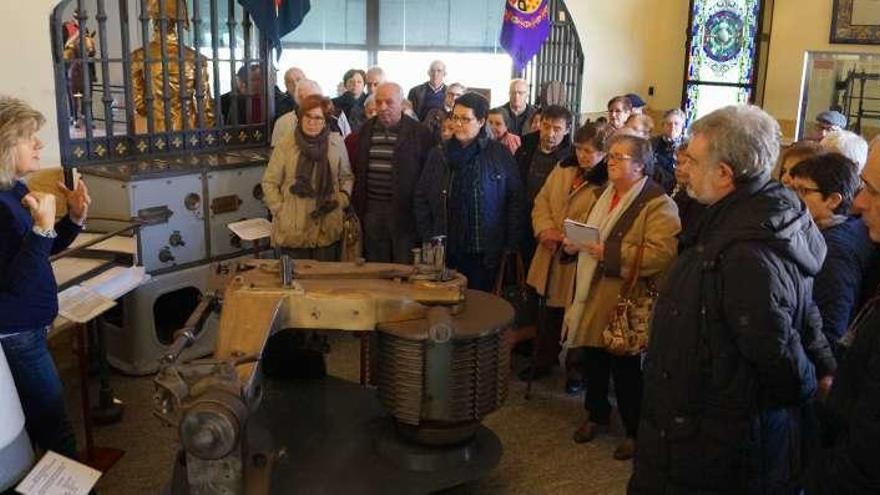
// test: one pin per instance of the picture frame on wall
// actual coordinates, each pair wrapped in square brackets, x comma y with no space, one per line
[855,22]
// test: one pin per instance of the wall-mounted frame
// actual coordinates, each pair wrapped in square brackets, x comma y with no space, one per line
[855,22]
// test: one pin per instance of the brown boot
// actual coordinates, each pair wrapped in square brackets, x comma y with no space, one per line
[588,431]
[626,450]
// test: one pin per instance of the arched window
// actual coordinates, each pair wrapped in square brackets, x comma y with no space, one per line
[724,54]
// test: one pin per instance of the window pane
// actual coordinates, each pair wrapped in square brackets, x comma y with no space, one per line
[440,23]
[333,21]
[477,70]
[703,99]
[723,40]
[326,67]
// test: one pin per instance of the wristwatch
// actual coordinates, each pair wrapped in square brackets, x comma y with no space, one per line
[50,232]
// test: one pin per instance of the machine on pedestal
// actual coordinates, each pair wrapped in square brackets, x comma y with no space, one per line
[442,367]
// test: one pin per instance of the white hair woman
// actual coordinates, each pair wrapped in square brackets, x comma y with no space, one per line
[28,292]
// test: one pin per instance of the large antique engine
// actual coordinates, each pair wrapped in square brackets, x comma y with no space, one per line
[442,364]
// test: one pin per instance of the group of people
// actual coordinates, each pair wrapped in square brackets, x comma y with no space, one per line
[757,366]
[762,372]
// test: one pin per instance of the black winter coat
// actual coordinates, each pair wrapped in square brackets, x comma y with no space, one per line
[727,368]
[851,464]
[414,140]
[501,206]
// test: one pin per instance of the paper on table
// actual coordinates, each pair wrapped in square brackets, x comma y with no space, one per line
[58,475]
[251,229]
[117,281]
[81,304]
[580,233]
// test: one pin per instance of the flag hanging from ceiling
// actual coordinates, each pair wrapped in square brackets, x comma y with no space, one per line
[276,18]
[526,25]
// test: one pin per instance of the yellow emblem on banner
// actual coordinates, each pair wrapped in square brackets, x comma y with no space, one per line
[525,6]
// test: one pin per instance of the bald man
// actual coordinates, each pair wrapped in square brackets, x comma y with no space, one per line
[517,112]
[390,150]
[430,94]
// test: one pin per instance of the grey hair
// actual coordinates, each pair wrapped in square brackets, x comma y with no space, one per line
[456,85]
[306,83]
[848,144]
[376,70]
[18,121]
[514,82]
[674,112]
[744,137]
[397,89]
[639,147]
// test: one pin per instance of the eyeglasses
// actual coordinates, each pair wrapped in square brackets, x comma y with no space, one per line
[461,119]
[618,157]
[803,190]
[865,186]
[314,120]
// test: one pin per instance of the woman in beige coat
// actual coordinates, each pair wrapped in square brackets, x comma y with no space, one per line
[569,191]
[307,185]
[632,213]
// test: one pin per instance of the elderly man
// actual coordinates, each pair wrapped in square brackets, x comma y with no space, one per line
[638,104]
[434,118]
[664,148]
[287,123]
[390,151]
[429,94]
[727,372]
[828,122]
[849,463]
[517,112]
[286,102]
[249,97]
[375,77]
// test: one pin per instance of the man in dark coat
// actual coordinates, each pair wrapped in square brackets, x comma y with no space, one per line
[518,112]
[539,153]
[390,152]
[849,464]
[734,335]
[471,192]
[431,93]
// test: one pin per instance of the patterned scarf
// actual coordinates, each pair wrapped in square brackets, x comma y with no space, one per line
[313,161]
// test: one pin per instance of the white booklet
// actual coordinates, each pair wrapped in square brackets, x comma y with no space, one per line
[58,475]
[580,233]
[251,229]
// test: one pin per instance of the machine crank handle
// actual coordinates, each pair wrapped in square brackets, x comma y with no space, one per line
[194,325]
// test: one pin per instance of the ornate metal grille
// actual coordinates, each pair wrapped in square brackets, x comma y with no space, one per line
[560,60]
[137,78]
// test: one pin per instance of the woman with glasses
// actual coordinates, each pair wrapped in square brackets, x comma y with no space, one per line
[827,184]
[570,190]
[307,185]
[637,222]
[470,190]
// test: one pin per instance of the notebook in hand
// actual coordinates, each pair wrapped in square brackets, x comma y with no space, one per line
[581,233]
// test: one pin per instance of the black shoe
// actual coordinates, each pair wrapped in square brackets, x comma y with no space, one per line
[540,372]
[574,387]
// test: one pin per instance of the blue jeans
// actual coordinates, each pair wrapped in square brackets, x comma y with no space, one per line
[40,390]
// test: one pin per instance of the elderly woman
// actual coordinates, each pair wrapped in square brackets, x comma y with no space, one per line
[827,184]
[28,293]
[570,190]
[637,222]
[619,110]
[351,102]
[307,184]
[791,156]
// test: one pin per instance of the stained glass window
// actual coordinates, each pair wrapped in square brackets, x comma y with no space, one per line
[722,54]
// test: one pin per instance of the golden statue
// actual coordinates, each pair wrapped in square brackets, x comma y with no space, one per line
[181,78]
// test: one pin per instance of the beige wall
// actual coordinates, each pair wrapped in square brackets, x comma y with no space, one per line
[630,45]
[798,26]
[27,60]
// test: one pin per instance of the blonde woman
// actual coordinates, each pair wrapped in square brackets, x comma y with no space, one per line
[28,292]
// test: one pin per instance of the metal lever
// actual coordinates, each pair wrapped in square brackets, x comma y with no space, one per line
[286,271]
[194,325]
